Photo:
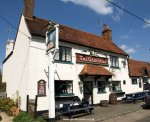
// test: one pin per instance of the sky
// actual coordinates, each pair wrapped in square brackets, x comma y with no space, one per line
[129,33]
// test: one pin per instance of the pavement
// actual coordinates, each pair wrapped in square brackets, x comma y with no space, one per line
[5,117]
[102,114]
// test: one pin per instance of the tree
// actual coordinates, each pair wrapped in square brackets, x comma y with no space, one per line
[2,85]
[0,76]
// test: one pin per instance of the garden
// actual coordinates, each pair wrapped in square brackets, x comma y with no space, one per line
[11,107]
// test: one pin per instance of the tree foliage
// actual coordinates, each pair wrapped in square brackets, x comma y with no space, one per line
[0,76]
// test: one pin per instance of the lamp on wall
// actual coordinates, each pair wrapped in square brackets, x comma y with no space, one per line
[80,84]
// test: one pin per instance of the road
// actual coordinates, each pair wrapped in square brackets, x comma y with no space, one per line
[142,115]
[115,113]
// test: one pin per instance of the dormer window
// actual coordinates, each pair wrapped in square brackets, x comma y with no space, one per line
[64,54]
[114,61]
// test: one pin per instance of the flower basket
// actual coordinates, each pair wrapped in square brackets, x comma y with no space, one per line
[15,111]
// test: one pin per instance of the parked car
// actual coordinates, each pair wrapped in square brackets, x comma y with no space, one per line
[147,98]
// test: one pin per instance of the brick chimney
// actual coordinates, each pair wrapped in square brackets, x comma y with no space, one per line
[28,8]
[107,33]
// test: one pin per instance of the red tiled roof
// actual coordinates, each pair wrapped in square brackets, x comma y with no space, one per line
[67,34]
[138,68]
[94,70]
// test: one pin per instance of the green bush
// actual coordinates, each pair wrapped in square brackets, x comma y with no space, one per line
[25,117]
[0,76]
[6,105]
[39,119]
[2,87]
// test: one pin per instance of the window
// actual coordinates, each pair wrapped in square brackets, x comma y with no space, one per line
[124,82]
[134,81]
[140,84]
[145,79]
[63,88]
[101,86]
[116,86]
[114,62]
[64,54]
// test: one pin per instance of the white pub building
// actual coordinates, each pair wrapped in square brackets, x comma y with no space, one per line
[86,65]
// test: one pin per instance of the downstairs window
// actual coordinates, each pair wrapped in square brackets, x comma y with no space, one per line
[101,85]
[63,88]
[116,86]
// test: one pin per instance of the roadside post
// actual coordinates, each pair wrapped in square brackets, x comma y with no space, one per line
[52,40]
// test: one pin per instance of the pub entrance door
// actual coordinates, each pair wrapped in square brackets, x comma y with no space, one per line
[88,91]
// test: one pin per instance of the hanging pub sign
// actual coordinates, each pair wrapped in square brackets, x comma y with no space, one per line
[52,37]
[41,88]
[81,58]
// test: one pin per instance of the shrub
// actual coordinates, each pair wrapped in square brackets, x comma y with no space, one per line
[2,87]
[0,76]
[6,105]
[23,117]
[39,119]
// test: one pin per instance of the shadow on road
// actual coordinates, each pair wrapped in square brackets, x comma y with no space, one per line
[145,106]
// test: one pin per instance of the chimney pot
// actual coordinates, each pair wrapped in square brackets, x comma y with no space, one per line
[107,33]
[106,27]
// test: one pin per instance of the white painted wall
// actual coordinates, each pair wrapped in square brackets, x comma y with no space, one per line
[16,68]
[135,87]
[9,47]
[37,64]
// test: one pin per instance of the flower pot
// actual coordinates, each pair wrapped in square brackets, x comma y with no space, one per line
[16,111]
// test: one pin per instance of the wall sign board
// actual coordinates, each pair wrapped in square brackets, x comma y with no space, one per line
[41,88]
[81,58]
[52,37]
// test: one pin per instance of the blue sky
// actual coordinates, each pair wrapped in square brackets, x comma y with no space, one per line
[129,33]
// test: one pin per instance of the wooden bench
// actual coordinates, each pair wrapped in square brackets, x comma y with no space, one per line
[71,109]
[133,97]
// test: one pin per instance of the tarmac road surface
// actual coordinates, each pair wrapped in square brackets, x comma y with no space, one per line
[142,115]
[115,113]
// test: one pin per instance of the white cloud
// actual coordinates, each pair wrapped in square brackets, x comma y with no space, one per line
[116,17]
[120,11]
[124,47]
[99,6]
[117,13]
[146,24]
[130,50]
[125,37]
[137,46]
[127,49]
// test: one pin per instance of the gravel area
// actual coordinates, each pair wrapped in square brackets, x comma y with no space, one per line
[5,117]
